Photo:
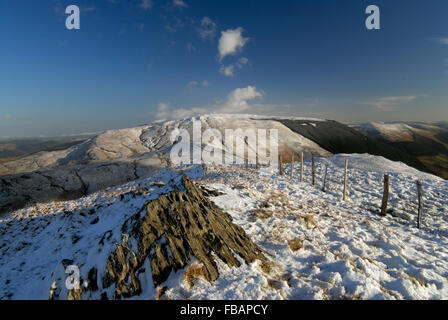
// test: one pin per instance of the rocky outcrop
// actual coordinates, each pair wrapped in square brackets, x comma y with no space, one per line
[162,237]
[174,228]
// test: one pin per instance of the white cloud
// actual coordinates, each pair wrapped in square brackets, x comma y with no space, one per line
[227,71]
[442,40]
[243,61]
[237,102]
[173,23]
[87,9]
[207,31]
[146,4]
[163,111]
[192,84]
[231,42]
[179,4]
[230,70]
[388,103]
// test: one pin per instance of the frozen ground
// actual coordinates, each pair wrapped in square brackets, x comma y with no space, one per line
[318,247]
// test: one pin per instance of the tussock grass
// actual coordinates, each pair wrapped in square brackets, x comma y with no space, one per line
[161,292]
[194,271]
[274,284]
[262,214]
[270,267]
[295,244]
[311,222]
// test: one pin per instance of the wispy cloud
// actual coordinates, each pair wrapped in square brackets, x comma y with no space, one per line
[389,103]
[59,8]
[229,70]
[194,83]
[179,4]
[146,4]
[207,30]
[11,117]
[87,9]
[173,23]
[441,40]
[191,47]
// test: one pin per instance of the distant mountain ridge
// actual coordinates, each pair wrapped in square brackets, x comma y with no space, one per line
[118,156]
[426,142]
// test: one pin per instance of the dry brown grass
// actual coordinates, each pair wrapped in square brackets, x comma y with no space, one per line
[194,271]
[274,284]
[417,281]
[309,219]
[262,214]
[324,290]
[295,244]
[160,292]
[270,267]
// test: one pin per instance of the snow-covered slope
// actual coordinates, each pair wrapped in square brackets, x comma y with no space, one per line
[128,143]
[109,145]
[118,156]
[318,247]
[400,131]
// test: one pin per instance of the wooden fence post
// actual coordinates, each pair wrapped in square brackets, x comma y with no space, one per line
[313,170]
[292,164]
[301,167]
[256,161]
[280,165]
[420,204]
[246,161]
[324,188]
[345,180]
[385,195]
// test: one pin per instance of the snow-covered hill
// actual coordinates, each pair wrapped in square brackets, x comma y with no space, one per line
[119,156]
[426,142]
[132,142]
[400,131]
[317,246]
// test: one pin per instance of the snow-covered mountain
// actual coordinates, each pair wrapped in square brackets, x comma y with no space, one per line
[119,156]
[138,227]
[428,143]
[132,142]
[314,245]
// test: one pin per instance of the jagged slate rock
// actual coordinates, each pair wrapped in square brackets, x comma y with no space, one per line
[169,231]
[211,192]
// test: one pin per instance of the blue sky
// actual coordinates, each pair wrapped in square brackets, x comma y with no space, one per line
[135,61]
